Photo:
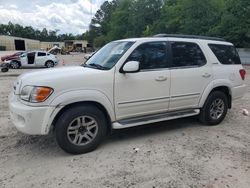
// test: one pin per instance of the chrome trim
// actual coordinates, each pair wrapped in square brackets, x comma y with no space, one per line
[142,100]
[186,67]
[156,69]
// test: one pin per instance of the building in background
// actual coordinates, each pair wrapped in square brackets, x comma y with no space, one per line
[10,43]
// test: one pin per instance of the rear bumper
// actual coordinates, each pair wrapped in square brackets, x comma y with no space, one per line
[238,91]
[28,119]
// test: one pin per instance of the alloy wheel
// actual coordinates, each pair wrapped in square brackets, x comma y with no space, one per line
[82,130]
[217,109]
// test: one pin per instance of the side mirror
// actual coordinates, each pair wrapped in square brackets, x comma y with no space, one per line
[131,67]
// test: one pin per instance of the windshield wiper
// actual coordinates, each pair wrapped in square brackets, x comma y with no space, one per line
[96,66]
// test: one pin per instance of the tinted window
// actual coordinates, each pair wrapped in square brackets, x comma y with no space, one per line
[187,54]
[41,54]
[151,55]
[226,54]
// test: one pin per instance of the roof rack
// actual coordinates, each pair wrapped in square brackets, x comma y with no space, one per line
[189,36]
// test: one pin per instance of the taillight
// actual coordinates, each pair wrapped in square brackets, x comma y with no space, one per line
[242,74]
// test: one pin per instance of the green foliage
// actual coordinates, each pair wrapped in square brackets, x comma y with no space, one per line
[31,33]
[99,25]
[100,41]
[124,18]
[119,19]
[235,24]
[134,18]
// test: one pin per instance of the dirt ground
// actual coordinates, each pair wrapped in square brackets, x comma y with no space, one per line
[179,153]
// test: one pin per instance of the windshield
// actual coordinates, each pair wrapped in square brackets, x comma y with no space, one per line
[109,55]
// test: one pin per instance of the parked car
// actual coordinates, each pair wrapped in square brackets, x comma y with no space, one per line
[12,56]
[34,59]
[128,83]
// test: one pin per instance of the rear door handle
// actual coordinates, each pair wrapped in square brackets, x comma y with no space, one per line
[161,78]
[206,75]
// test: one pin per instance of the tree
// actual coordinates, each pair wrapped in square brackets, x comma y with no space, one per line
[31,33]
[99,25]
[235,23]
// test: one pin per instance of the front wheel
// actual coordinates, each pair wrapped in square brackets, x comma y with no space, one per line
[214,109]
[4,69]
[80,129]
[15,64]
[49,64]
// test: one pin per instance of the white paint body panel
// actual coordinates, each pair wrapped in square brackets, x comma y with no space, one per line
[123,95]
[188,84]
[141,94]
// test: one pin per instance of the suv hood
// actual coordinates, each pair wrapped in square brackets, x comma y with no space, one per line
[65,78]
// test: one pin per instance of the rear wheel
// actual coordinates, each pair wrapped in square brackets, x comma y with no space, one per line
[80,129]
[49,64]
[214,109]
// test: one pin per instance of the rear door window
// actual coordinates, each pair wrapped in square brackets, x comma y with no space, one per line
[187,54]
[226,54]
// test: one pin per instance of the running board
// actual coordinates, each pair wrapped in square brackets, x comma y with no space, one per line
[136,121]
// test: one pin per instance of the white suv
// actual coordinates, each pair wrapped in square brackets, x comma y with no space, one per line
[128,83]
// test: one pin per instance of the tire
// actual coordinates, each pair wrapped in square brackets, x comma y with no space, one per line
[214,109]
[78,140]
[15,64]
[49,64]
[5,69]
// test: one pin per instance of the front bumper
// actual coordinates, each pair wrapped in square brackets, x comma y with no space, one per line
[29,119]
[4,65]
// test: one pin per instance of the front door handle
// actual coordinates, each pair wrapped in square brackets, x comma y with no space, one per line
[206,75]
[161,78]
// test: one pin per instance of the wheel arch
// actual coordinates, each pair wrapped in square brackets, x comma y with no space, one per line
[49,60]
[69,99]
[81,103]
[223,87]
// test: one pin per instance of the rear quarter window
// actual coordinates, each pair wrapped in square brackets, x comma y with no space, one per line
[226,54]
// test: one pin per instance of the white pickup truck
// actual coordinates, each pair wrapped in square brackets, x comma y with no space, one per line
[128,83]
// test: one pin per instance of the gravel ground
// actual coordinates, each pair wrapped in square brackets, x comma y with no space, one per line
[179,153]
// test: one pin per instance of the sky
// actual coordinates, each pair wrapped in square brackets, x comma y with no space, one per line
[67,16]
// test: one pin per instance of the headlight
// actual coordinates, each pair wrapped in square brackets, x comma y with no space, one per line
[35,93]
